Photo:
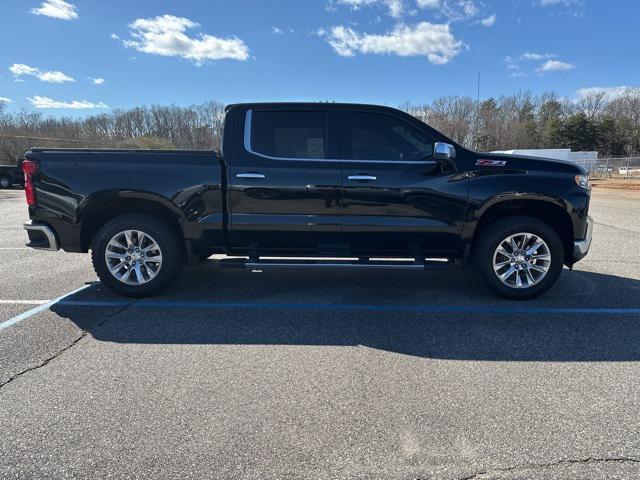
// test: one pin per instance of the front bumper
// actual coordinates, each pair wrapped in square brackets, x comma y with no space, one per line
[581,247]
[41,236]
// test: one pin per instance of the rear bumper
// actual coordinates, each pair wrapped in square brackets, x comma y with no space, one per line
[581,247]
[41,236]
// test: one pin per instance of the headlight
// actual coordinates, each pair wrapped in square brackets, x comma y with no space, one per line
[583,181]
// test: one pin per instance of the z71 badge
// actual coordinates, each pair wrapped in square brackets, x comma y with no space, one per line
[491,163]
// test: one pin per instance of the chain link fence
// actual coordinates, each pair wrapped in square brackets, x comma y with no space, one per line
[627,168]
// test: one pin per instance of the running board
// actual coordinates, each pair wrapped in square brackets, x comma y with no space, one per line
[259,264]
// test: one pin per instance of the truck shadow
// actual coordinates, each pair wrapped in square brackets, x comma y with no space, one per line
[467,334]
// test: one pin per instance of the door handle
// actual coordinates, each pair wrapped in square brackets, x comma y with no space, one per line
[250,175]
[362,177]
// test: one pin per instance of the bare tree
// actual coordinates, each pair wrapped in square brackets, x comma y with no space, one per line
[592,104]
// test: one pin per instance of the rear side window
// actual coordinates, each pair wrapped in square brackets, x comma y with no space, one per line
[369,136]
[289,134]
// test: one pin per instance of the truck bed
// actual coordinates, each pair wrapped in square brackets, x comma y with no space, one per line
[186,182]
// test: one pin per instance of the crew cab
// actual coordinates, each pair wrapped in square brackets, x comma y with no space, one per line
[350,186]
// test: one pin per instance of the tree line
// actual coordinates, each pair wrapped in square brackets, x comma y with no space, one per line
[523,120]
[197,127]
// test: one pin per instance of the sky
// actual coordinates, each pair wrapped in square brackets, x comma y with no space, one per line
[79,57]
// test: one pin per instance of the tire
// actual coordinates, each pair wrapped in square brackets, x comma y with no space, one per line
[156,276]
[486,254]
[5,182]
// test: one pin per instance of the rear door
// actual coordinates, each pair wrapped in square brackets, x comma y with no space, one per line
[397,199]
[284,183]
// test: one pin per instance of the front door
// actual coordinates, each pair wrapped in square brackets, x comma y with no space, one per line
[397,200]
[284,185]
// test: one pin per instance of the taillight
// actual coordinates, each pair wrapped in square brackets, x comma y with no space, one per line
[29,167]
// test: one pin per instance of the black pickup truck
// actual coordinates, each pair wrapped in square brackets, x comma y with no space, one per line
[355,186]
[11,175]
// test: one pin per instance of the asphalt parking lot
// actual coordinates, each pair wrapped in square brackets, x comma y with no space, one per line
[324,375]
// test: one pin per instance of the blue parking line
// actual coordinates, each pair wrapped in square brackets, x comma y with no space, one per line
[354,307]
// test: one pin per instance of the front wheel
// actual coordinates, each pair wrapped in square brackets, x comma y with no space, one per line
[519,257]
[137,255]
[5,182]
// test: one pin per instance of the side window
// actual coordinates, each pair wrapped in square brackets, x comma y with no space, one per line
[289,134]
[369,136]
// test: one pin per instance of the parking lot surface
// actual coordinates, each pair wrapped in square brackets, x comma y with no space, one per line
[324,375]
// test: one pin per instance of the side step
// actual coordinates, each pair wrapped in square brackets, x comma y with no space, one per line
[257,263]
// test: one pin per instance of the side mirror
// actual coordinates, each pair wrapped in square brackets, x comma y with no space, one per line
[444,151]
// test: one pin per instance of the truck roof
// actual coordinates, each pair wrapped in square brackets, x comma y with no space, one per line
[336,105]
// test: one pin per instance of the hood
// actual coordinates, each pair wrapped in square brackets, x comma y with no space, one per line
[525,162]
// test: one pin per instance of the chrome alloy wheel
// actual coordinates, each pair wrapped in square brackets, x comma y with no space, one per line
[522,260]
[133,257]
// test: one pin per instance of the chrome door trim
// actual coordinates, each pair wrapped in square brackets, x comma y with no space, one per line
[362,177]
[250,175]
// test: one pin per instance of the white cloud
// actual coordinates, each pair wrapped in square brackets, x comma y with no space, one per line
[536,56]
[56,9]
[45,102]
[54,77]
[20,69]
[277,31]
[436,42]
[566,3]
[549,63]
[468,7]
[395,7]
[5,100]
[555,66]
[428,3]
[489,21]
[165,35]
[114,36]
[453,10]
[611,93]
[96,80]
[573,8]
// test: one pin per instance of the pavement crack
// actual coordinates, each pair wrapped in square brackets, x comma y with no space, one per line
[60,352]
[615,227]
[569,461]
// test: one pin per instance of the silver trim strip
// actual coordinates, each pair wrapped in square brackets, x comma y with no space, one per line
[53,243]
[397,266]
[248,121]
[250,175]
[361,177]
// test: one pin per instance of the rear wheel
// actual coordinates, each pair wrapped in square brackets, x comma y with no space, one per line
[137,255]
[519,257]
[5,182]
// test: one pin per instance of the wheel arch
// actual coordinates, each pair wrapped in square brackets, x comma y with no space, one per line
[547,210]
[101,207]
